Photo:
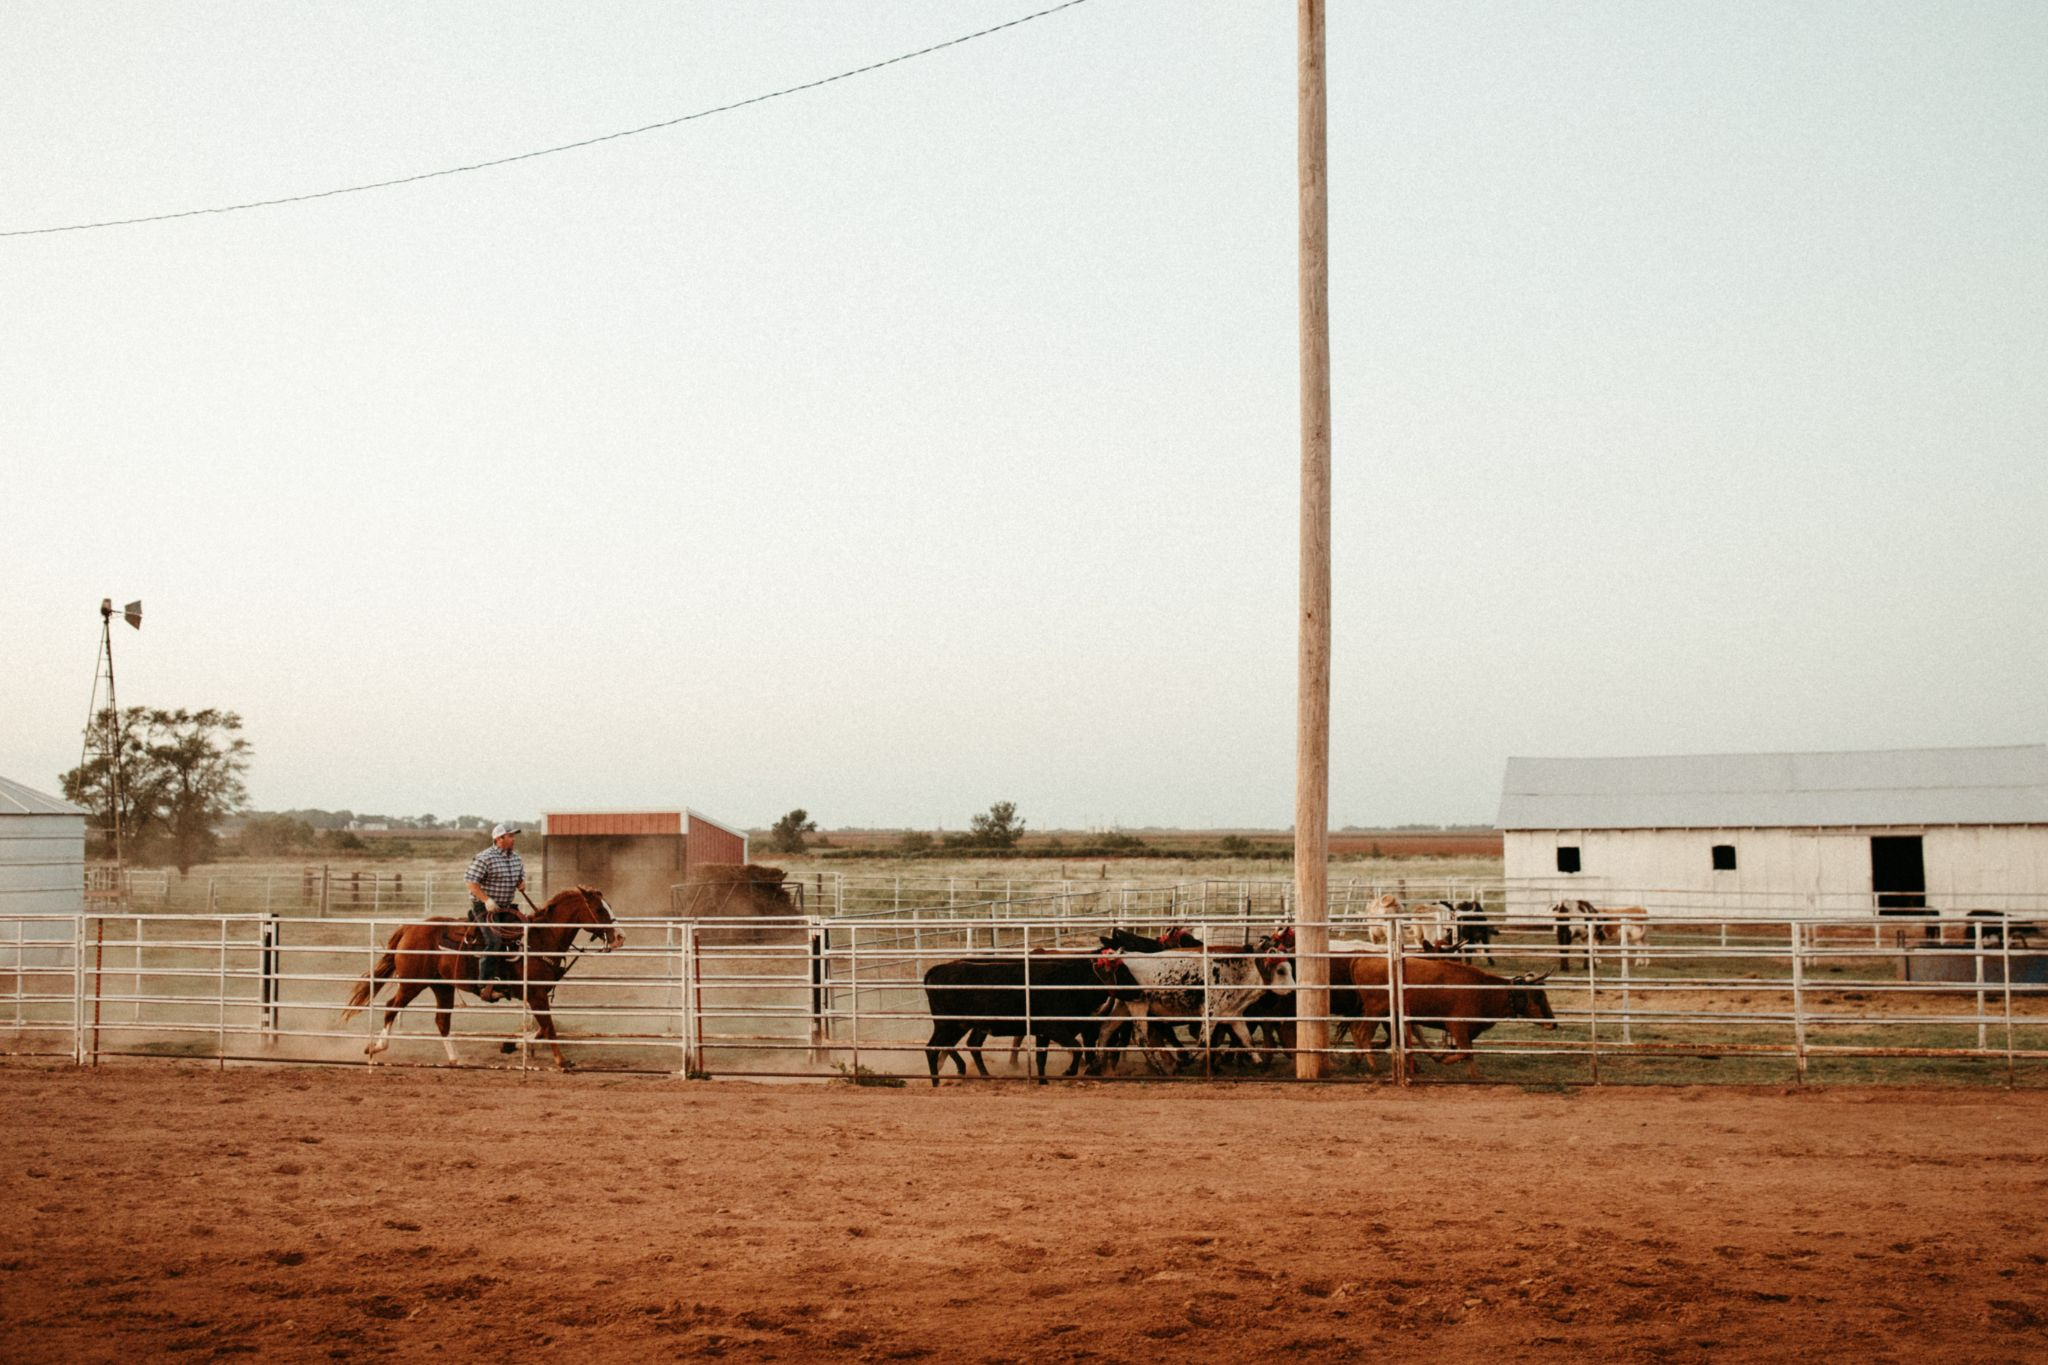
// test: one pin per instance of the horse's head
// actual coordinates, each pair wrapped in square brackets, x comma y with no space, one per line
[586,907]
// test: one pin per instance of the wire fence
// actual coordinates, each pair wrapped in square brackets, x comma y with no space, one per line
[948,989]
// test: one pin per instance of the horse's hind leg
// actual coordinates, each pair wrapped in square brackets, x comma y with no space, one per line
[408,987]
[444,1007]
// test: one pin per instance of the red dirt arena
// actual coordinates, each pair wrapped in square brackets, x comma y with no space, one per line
[170,1211]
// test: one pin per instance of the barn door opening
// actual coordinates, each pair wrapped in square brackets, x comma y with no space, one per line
[1898,874]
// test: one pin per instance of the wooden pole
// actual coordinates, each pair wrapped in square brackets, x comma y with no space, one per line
[1312,714]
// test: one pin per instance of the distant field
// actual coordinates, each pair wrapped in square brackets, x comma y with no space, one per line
[1171,855]
[1408,845]
[1251,844]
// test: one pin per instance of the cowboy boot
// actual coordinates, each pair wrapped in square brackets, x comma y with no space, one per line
[482,960]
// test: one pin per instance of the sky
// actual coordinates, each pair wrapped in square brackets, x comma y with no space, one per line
[930,438]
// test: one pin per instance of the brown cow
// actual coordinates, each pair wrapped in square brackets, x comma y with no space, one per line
[1586,923]
[1437,993]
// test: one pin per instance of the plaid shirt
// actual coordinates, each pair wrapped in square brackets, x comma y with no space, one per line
[499,873]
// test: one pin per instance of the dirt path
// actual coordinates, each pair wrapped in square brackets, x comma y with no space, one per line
[315,1215]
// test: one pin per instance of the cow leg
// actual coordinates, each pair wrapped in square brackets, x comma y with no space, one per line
[945,1033]
[1370,1029]
[1116,1025]
[1079,1052]
[1458,1048]
[1141,1021]
[1235,1027]
[976,1036]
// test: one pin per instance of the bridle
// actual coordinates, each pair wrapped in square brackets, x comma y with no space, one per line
[605,928]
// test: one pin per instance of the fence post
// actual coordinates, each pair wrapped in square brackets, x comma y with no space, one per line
[1627,1025]
[78,993]
[1798,1003]
[2005,975]
[1397,1004]
[1593,1000]
[135,981]
[370,1010]
[1029,1027]
[271,988]
[221,1043]
[692,1003]
[326,890]
[820,1028]
[1977,954]
[853,998]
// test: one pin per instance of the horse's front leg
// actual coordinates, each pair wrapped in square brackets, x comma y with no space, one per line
[444,1013]
[544,1020]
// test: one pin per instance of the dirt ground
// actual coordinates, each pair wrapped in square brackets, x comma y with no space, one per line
[308,1214]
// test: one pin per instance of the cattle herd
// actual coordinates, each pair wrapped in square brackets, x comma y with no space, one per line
[1135,993]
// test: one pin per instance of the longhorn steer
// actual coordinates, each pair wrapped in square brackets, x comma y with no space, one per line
[1427,926]
[1461,1000]
[1211,989]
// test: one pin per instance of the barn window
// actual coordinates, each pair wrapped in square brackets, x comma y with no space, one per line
[1724,857]
[1567,857]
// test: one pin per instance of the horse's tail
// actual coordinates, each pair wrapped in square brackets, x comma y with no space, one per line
[373,980]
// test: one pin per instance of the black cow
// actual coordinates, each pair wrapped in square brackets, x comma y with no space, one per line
[1055,997]
[1474,930]
[1129,941]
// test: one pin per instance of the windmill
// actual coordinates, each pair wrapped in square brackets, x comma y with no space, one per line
[103,739]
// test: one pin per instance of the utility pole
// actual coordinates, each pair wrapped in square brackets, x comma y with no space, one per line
[1312,710]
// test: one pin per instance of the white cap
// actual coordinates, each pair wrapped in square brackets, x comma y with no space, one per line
[500,831]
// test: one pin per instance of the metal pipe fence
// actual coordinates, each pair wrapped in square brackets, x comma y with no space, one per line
[1695,1000]
[318,891]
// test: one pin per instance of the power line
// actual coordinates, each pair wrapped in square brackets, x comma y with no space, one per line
[544,151]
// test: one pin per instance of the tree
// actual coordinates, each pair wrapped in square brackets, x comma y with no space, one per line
[788,833]
[181,775]
[999,827]
[266,836]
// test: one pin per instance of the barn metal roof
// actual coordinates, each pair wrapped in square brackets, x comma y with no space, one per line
[16,799]
[1996,786]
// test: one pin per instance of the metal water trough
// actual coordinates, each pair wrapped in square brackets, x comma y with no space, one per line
[1956,963]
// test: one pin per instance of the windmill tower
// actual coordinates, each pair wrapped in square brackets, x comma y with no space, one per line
[103,744]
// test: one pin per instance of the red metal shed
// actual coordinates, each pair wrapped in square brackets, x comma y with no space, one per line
[634,857]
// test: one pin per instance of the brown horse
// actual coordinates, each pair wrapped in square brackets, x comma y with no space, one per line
[430,956]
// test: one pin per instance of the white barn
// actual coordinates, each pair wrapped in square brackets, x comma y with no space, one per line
[42,883]
[1904,831]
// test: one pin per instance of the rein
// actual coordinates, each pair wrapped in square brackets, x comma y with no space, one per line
[564,960]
